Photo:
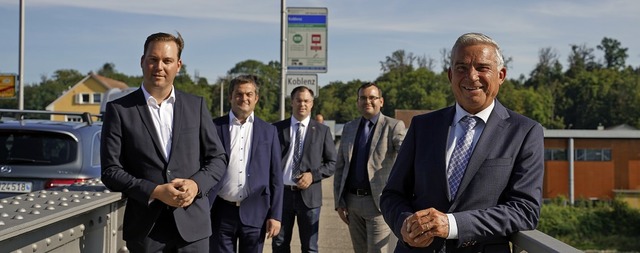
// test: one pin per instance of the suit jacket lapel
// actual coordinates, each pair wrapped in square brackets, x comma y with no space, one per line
[286,136]
[225,134]
[349,135]
[256,137]
[495,125]
[147,121]
[440,133]
[375,139]
[178,115]
[309,135]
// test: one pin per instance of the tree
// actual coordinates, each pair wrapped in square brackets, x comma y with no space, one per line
[581,58]
[614,54]
[446,59]
[547,70]
[399,60]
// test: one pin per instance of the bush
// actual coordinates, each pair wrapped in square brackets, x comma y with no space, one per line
[586,225]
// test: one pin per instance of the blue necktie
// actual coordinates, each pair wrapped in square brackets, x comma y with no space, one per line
[460,156]
[297,154]
[362,155]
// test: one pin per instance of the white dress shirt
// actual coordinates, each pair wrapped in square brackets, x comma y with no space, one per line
[458,132]
[234,186]
[288,167]
[162,116]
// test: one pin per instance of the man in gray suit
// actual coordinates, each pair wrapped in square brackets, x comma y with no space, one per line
[367,151]
[469,175]
[308,158]
[160,149]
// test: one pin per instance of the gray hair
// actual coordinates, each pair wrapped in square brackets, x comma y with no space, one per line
[469,39]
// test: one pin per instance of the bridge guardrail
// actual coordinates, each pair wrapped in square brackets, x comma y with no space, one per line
[79,218]
[88,218]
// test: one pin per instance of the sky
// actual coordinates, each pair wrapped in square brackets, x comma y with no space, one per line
[85,34]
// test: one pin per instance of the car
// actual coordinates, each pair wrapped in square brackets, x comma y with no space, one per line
[38,154]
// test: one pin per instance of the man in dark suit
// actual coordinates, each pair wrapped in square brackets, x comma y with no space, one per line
[248,203]
[160,149]
[308,159]
[469,175]
[367,151]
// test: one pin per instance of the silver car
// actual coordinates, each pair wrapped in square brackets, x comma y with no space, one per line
[37,154]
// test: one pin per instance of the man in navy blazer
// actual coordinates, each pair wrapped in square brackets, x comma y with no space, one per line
[500,188]
[303,179]
[159,148]
[248,202]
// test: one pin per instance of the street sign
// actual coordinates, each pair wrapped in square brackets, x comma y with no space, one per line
[311,81]
[306,46]
[7,85]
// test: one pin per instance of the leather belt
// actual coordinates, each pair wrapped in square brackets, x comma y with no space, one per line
[360,192]
[292,188]
[233,203]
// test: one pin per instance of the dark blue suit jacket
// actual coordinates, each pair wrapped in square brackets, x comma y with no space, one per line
[500,193]
[318,157]
[264,173]
[133,161]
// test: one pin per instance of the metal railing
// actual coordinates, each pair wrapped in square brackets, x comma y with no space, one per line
[535,241]
[80,218]
[88,218]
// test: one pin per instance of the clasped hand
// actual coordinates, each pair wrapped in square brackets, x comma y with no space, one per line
[180,192]
[420,228]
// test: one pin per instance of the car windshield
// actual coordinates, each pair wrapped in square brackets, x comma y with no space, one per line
[36,148]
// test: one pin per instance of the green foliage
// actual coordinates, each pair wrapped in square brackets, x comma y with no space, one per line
[587,225]
[588,93]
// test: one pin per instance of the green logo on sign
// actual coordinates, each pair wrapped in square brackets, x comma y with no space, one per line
[297,38]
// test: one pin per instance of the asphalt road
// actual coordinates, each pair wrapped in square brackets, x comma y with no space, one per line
[334,234]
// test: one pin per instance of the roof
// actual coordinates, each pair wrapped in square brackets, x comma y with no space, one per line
[108,82]
[591,134]
[621,127]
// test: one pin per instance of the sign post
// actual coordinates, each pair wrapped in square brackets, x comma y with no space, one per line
[310,81]
[306,40]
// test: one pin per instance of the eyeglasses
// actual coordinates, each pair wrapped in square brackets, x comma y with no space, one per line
[370,98]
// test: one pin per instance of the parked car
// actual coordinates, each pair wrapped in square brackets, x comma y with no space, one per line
[37,154]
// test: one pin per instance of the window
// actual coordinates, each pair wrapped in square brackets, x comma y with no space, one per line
[583,154]
[599,154]
[72,118]
[36,148]
[95,150]
[97,98]
[83,98]
[555,154]
[89,98]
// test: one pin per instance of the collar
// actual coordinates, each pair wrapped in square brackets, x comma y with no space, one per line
[153,102]
[304,122]
[234,121]
[373,119]
[484,114]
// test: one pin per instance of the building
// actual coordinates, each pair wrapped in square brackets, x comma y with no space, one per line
[605,163]
[84,96]
[602,161]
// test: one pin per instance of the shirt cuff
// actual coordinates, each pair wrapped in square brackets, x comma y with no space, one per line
[453,227]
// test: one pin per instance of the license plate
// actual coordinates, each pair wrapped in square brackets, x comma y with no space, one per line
[9,186]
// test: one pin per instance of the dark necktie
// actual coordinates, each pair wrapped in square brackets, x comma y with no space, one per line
[297,154]
[460,156]
[363,153]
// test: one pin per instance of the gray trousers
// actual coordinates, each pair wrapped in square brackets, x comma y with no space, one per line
[369,232]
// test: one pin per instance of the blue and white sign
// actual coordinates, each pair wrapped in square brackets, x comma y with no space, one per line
[306,46]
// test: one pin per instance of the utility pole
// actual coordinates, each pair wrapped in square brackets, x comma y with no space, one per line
[21,60]
[283,59]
